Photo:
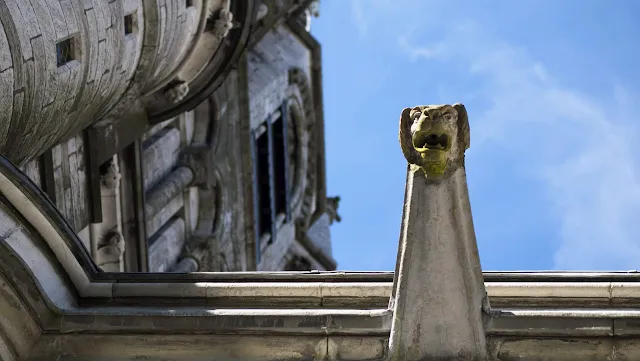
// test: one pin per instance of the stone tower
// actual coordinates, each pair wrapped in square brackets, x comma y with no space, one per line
[173,135]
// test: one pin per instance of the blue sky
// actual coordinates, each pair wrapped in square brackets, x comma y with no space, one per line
[551,90]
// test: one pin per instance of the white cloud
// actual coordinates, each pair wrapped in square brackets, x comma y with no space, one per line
[588,164]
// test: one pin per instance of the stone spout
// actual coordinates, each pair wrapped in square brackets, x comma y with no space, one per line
[439,299]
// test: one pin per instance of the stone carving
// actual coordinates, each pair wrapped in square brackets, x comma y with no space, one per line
[332,209]
[304,17]
[293,146]
[314,8]
[434,137]
[220,25]
[439,300]
[299,79]
[263,11]
[195,159]
[176,90]
[110,175]
[204,241]
[110,249]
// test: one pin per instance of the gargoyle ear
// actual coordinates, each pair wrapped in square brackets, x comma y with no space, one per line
[464,132]
[405,137]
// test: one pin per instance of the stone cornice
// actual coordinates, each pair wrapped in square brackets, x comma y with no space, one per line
[38,211]
[70,302]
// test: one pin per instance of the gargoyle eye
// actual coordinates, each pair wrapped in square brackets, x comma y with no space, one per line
[447,116]
[416,115]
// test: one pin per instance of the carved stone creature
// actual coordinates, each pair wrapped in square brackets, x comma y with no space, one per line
[434,137]
[439,300]
[110,249]
[221,25]
[176,90]
[110,175]
[332,208]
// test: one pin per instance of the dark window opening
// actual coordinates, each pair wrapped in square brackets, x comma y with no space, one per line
[65,51]
[265,216]
[188,3]
[271,188]
[128,24]
[279,165]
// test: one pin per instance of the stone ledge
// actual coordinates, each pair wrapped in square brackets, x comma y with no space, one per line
[208,347]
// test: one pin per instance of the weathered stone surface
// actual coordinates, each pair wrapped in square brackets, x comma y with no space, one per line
[164,251]
[105,80]
[320,234]
[170,187]
[69,63]
[439,301]
[70,181]
[228,175]
[161,153]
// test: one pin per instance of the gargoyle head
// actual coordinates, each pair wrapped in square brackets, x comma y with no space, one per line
[434,137]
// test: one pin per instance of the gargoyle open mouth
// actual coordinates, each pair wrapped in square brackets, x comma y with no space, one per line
[431,141]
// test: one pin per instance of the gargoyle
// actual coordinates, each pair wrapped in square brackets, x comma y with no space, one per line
[439,301]
[434,137]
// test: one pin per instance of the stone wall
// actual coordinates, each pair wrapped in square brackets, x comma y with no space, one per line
[269,63]
[320,234]
[66,60]
[167,187]
[279,73]
[71,182]
[65,64]
[229,175]
[195,171]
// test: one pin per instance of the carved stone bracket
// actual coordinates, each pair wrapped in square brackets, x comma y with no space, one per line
[195,158]
[110,175]
[332,208]
[110,249]
[220,23]
[203,243]
[176,90]
[263,11]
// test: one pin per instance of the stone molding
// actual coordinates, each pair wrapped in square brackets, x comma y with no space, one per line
[40,213]
[301,109]
[53,276]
